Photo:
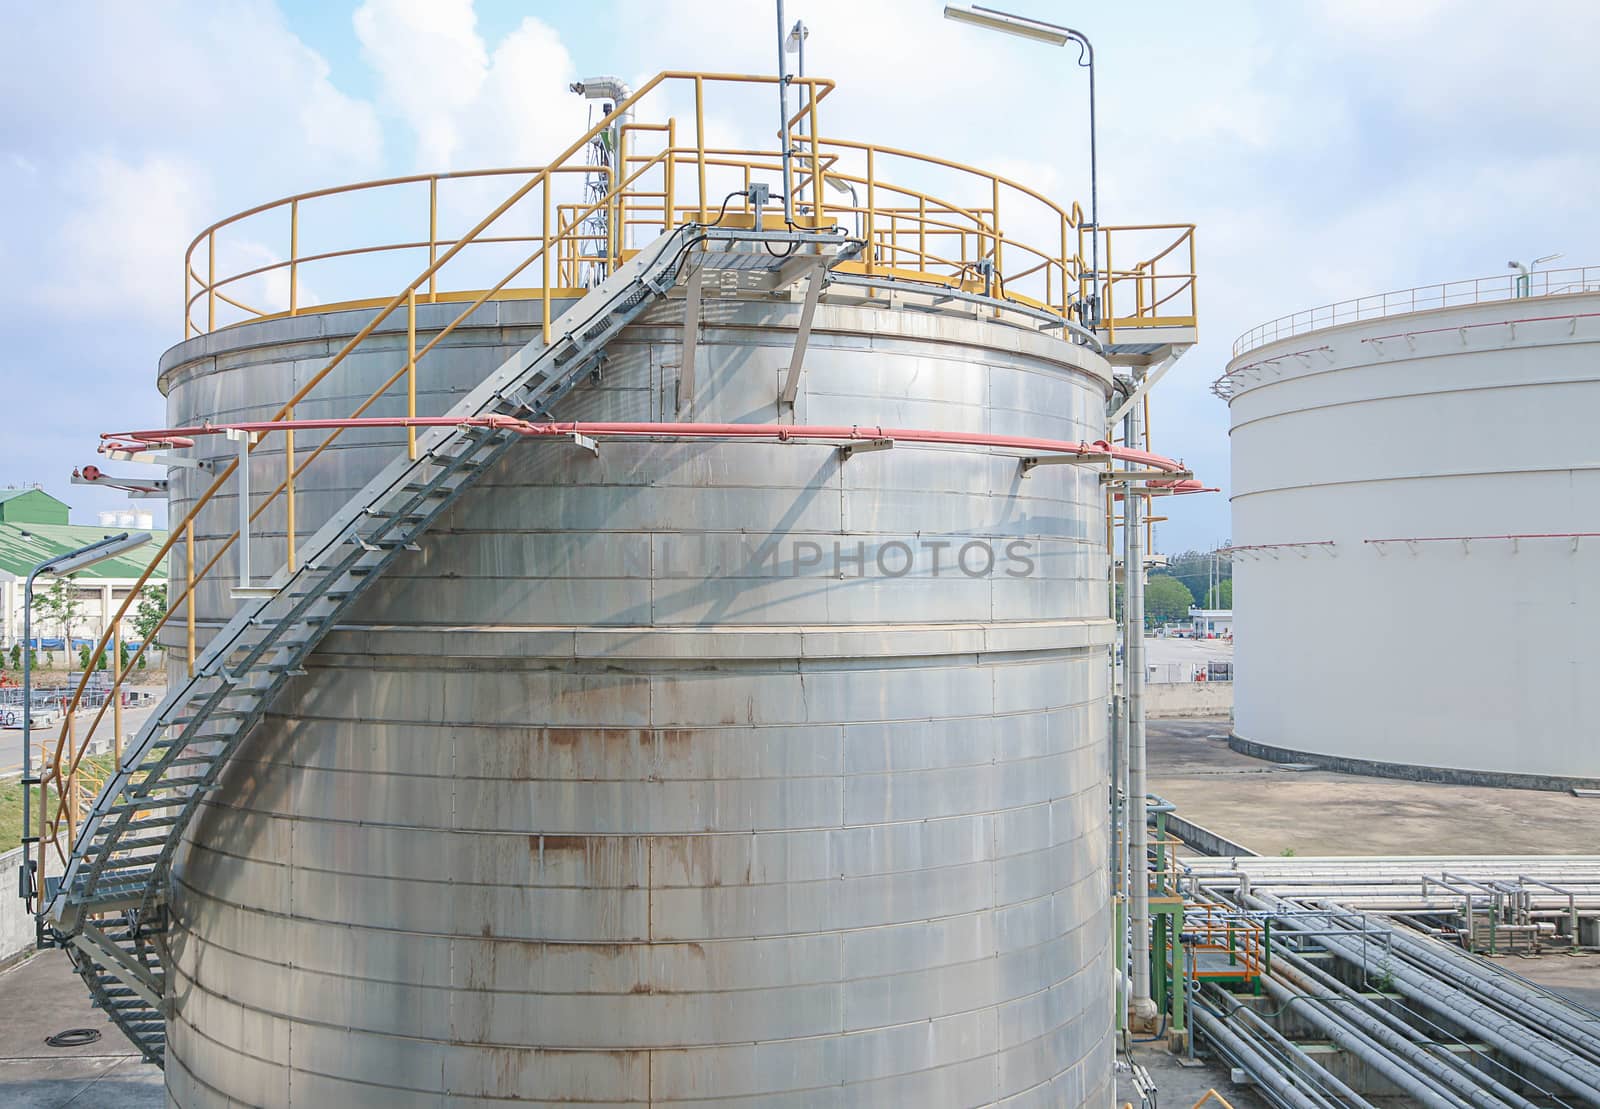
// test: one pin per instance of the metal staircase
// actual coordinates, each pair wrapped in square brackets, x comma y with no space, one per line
[110,907]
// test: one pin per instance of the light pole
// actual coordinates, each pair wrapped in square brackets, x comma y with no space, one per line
[795,44]
[783,122]
[1524,270]
[58,566]
[1055,35]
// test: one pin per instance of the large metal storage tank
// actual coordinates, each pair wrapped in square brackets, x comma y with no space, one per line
[612,794]
[1414,516]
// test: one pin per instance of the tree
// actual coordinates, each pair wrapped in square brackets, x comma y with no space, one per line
[148,612]
[1195,569]
[60,606]
[1221,596]
[1166,599]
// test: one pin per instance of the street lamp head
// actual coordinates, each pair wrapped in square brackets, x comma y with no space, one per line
[83,557]
[1010,24]
[796,37]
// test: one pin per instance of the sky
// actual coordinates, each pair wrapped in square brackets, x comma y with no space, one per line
[1326,149]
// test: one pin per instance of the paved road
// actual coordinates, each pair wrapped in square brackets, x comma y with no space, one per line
[11,738]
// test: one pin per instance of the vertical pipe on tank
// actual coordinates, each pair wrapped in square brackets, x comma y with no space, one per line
[1133,692]
[1116,853]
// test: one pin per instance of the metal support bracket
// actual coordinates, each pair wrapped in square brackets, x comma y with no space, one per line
[161,458]
[1117,477]
[802,337]
[1064,460]
[691,338]
[142,488]
[98,946]
[1144,387]
[793,270]
[864,447]
[244,438]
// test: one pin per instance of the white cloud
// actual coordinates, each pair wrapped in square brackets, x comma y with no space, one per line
[432,66]
[468,106]
[118,247]
[174,113]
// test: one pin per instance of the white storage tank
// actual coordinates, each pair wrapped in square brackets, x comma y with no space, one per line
[1416,521]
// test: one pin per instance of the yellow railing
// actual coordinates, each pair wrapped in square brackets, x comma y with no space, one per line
[1156,291]
[920,218]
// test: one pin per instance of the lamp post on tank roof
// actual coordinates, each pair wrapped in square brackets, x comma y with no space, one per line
[1055,35]
[795,43]
[1523,271]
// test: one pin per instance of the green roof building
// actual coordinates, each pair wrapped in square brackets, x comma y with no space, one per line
[34,527]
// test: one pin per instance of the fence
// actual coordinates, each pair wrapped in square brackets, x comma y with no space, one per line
[1166,673]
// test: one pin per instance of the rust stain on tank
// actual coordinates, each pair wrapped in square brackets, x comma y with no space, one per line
[562,843]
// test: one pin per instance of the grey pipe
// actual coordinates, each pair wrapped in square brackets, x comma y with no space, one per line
[1133,685]
[1552,1061]
[1351,1036]
[1263,1070]
[1316,1073]
[1477,1086]
[1531,1010]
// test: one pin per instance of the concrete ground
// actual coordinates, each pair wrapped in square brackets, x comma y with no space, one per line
[1272,809]
[1574,977]
[1179,1086]
[40,997]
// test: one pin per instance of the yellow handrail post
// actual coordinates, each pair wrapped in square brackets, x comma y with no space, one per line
[1194,277]
[411,371]
[819,195]
[294,257]
[1065,295]
[994,216]
[872,242]
[922,232]
[68,788]
[671,179]
[700,139]
[288,491]
[211,281]
[188,580]
[1109,284]
[116,690]
[433,238]
[544,260]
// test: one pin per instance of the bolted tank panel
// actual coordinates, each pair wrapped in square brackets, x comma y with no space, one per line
[1413,510]
[687,772]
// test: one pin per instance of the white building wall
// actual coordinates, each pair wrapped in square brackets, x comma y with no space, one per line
[1479,655]
[99,599]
